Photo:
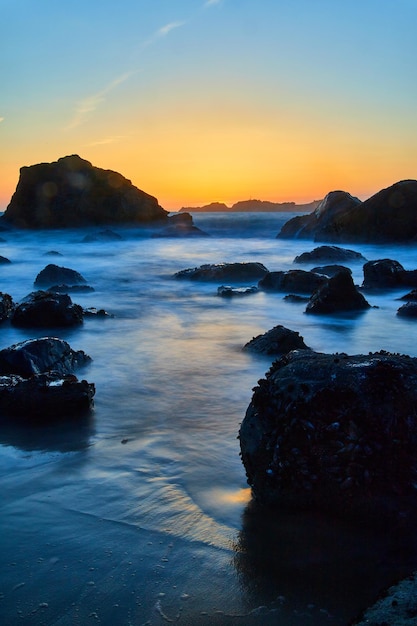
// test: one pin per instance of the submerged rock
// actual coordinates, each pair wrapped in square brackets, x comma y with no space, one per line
[221,272]
[408,310]
[337,295]
[46,309]
[228,292]
[300,281]
[54,275]
[277,341]
[71,192]
[329,253]
[335,432]
[330,270]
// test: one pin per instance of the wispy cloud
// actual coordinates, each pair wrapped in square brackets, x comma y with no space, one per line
[210,3]
[89,104]
[1,119]
[106,140]
[162,32]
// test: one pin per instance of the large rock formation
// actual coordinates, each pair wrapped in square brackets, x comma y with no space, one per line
[46,309]
[71,192]
[388,216]
[335,432]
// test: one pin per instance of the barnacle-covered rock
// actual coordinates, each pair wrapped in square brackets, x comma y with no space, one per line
[335,432]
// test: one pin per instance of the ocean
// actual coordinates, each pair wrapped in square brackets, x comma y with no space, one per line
[141,514]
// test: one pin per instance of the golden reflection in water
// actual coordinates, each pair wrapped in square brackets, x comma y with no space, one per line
[241,496]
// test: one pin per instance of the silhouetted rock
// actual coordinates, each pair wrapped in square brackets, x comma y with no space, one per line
[53,253]
[180,225]
[408,310]
[334,432]
[330,270]
[71,192]
[301,281]
[277,341]
[41,356]
[55,275]
[338,294]
[222,272]
[388,216]
[228,292]
[315,225]
[94,312]
[44,309]
[4,260]
[7,306]
[329,253]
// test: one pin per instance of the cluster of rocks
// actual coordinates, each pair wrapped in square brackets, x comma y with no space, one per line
[37,376]
[387,216]
[37,380]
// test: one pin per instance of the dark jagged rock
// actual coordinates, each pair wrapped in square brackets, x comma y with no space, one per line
[336,433]
[277,341]
[411,296]
[37,380]
[43,397]
[317,224]
[382,273]
[329,253]
[408,310]
[180,225]
[44,309]
[40,356]
[388,216]
[228,292]
[222,272]
[53,253]
[7,306]
[338,294]
[55,275]
[4,260]
[330,270]
[71,192]
[301,281]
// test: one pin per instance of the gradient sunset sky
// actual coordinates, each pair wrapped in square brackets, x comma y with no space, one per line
[213,100]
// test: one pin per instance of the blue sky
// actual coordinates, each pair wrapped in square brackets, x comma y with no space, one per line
[200,101]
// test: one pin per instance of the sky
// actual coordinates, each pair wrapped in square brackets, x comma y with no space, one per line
[197,101]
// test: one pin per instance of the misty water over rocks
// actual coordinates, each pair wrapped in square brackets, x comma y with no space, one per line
[140,514]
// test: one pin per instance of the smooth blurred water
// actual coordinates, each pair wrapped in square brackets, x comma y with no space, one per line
[141,513]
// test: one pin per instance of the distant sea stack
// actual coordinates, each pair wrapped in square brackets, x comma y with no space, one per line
[71,192]
[252,206]
[389,216]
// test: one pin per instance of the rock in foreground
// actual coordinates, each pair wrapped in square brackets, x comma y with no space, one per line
[71,192]
[336,433]
[37,380]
